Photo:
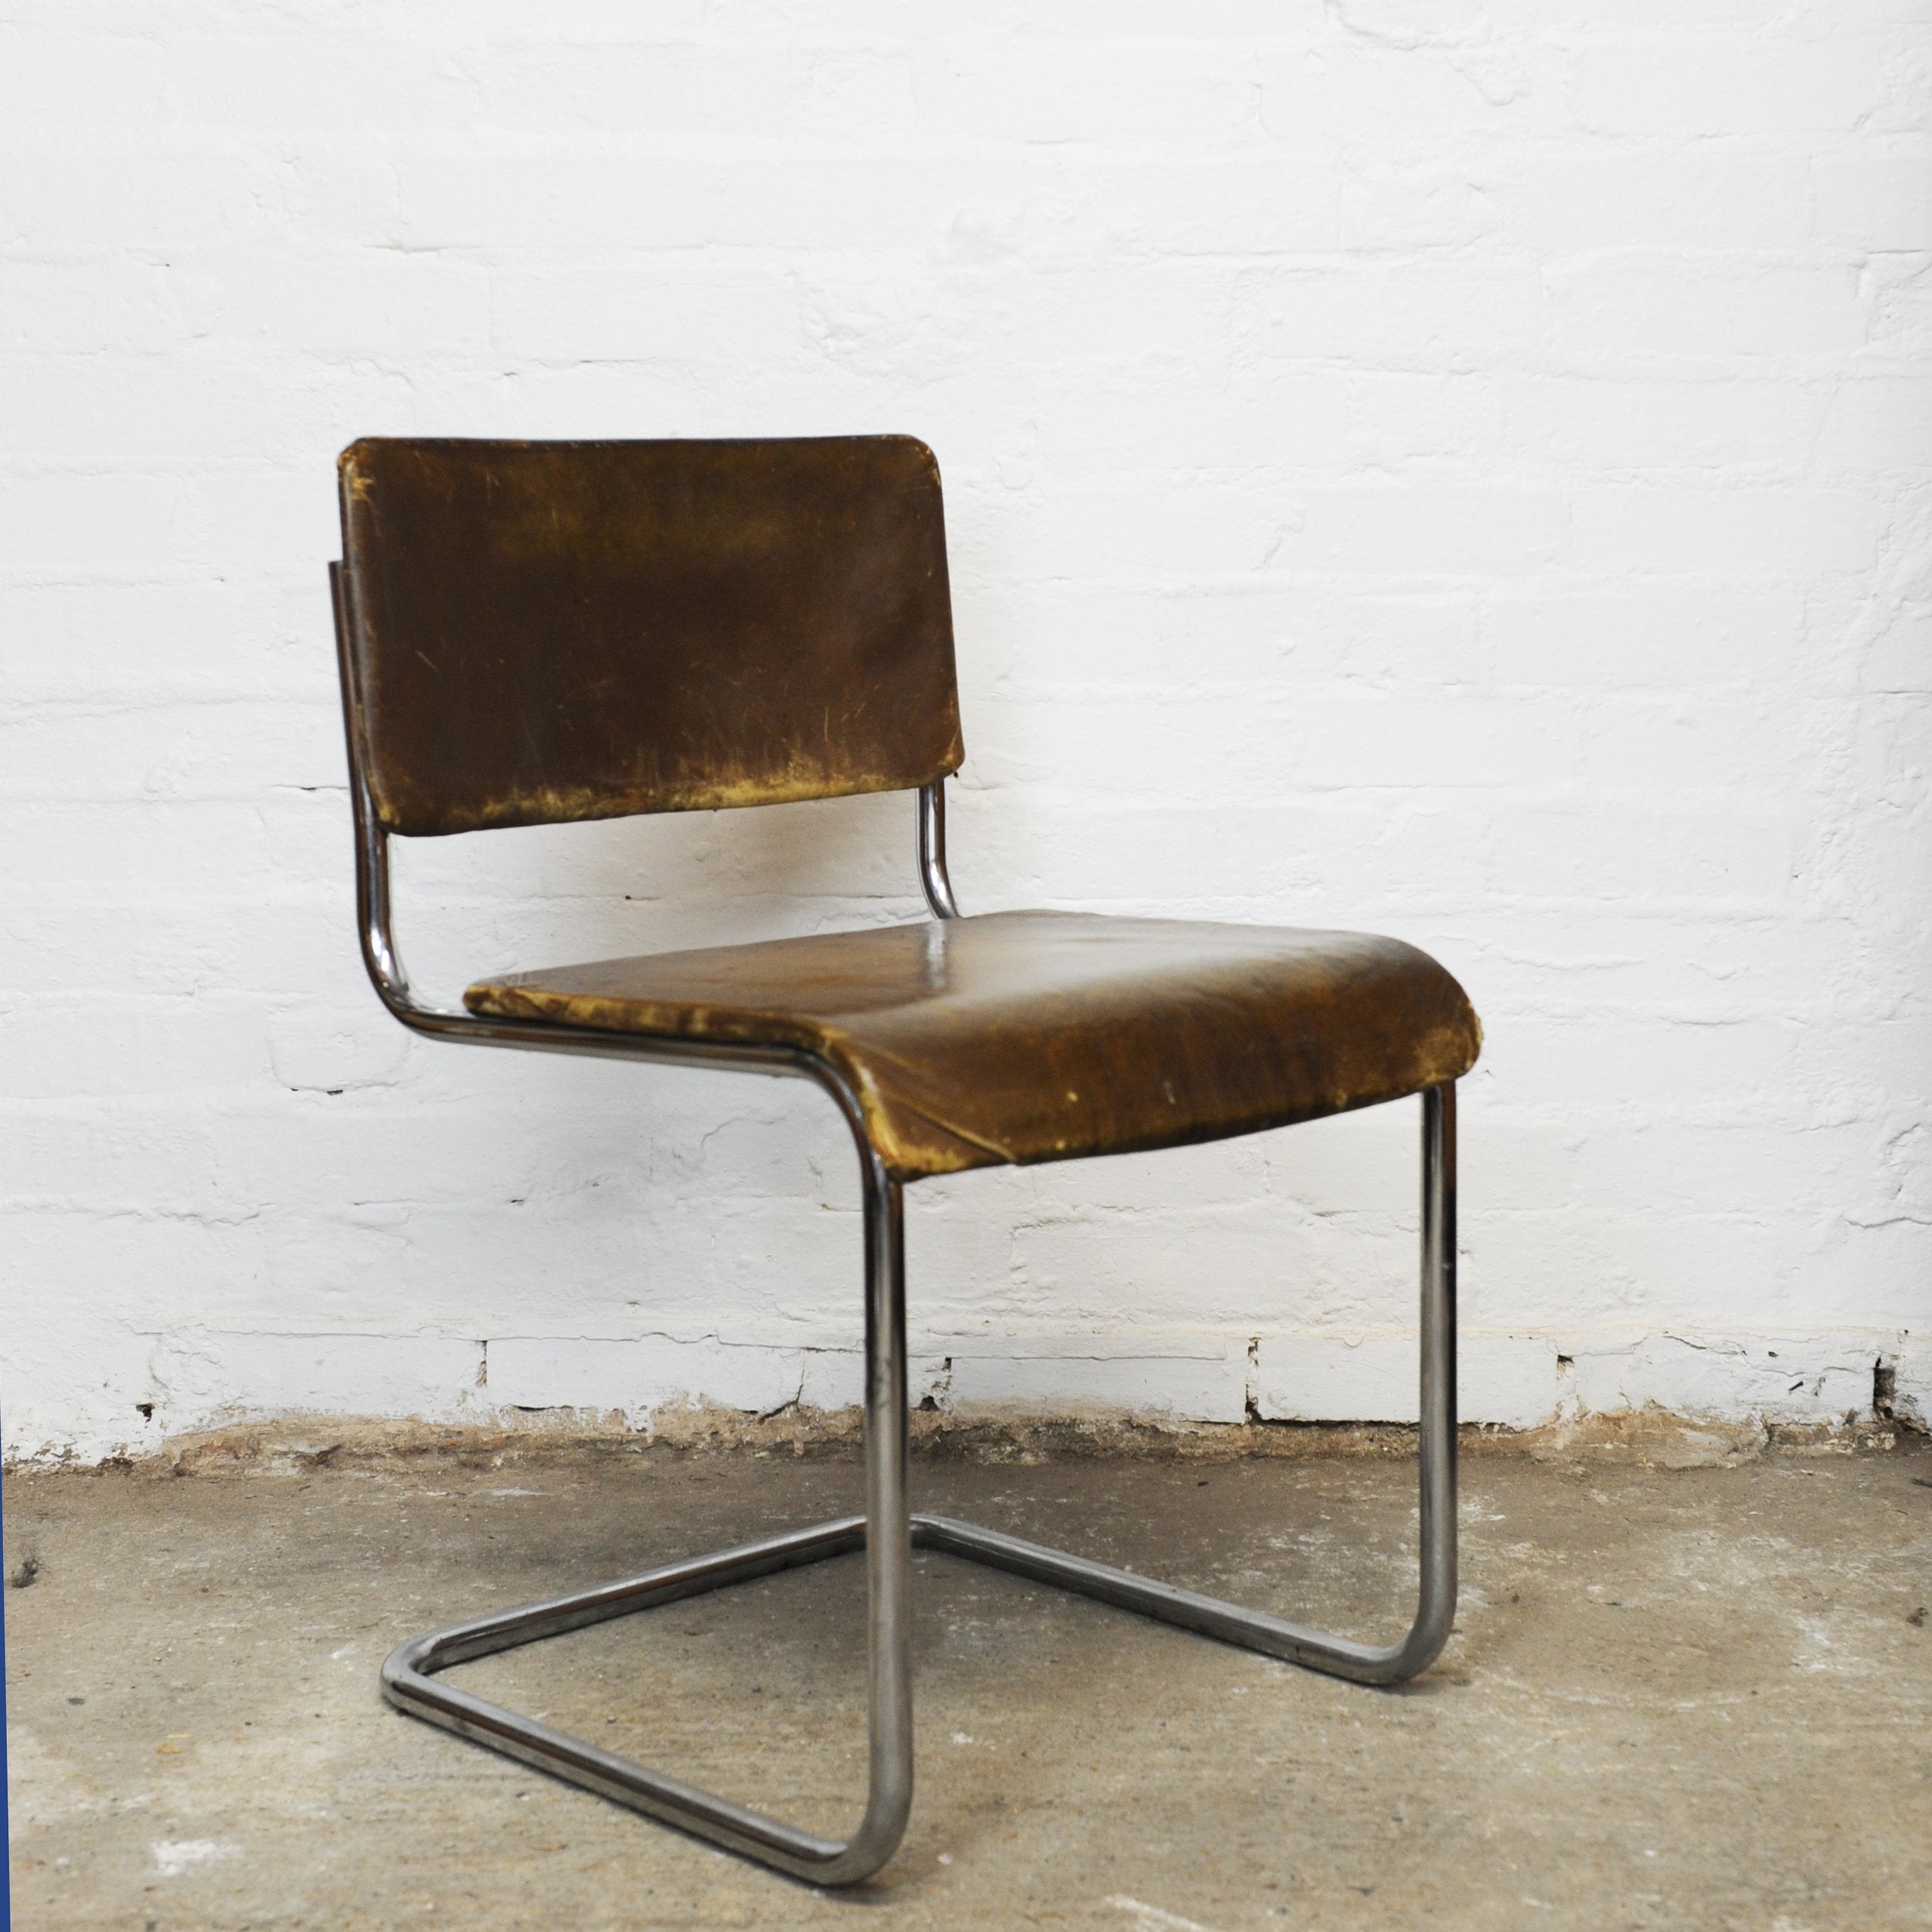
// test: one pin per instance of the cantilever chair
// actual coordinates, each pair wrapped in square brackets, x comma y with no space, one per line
[535,632]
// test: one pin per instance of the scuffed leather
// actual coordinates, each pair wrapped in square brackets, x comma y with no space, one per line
[541,631]
[1029,1036]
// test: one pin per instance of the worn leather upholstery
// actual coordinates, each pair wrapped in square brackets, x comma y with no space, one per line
[538,631]
[1029,1036]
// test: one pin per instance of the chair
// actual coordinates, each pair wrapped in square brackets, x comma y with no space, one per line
[536,632]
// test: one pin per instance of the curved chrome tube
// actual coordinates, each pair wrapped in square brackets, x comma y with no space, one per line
[1256,1629]
[888,1532]
[383,959]
[409,1676]
[884,1532]
[933,876]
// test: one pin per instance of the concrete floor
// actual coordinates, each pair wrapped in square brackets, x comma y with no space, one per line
[1678,1697]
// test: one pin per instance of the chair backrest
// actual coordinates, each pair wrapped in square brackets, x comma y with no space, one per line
[540,632]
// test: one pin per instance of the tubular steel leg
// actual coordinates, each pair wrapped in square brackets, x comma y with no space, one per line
[410,1684]
[1254,1629]
[887,1532]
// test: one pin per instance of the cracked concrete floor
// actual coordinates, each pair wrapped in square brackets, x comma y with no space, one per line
[1676,1698]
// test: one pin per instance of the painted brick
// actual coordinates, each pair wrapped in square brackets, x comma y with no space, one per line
[1461,471]
[1506,1379]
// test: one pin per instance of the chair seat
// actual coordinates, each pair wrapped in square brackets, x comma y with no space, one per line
[1014,1038]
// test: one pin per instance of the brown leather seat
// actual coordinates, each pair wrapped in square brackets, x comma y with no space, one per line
[1028,1036]
[538,632]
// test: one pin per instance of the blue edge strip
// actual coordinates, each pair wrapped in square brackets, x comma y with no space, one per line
[6,1870]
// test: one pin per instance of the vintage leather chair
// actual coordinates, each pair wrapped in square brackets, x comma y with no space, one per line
[533,632]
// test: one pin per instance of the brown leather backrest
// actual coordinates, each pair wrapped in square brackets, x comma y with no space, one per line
[538,632]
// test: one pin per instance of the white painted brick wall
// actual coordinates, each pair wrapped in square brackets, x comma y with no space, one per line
[1460,469]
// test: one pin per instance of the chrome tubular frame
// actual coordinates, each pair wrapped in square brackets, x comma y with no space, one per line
[932,850]
[883,1533]
[889,1531]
